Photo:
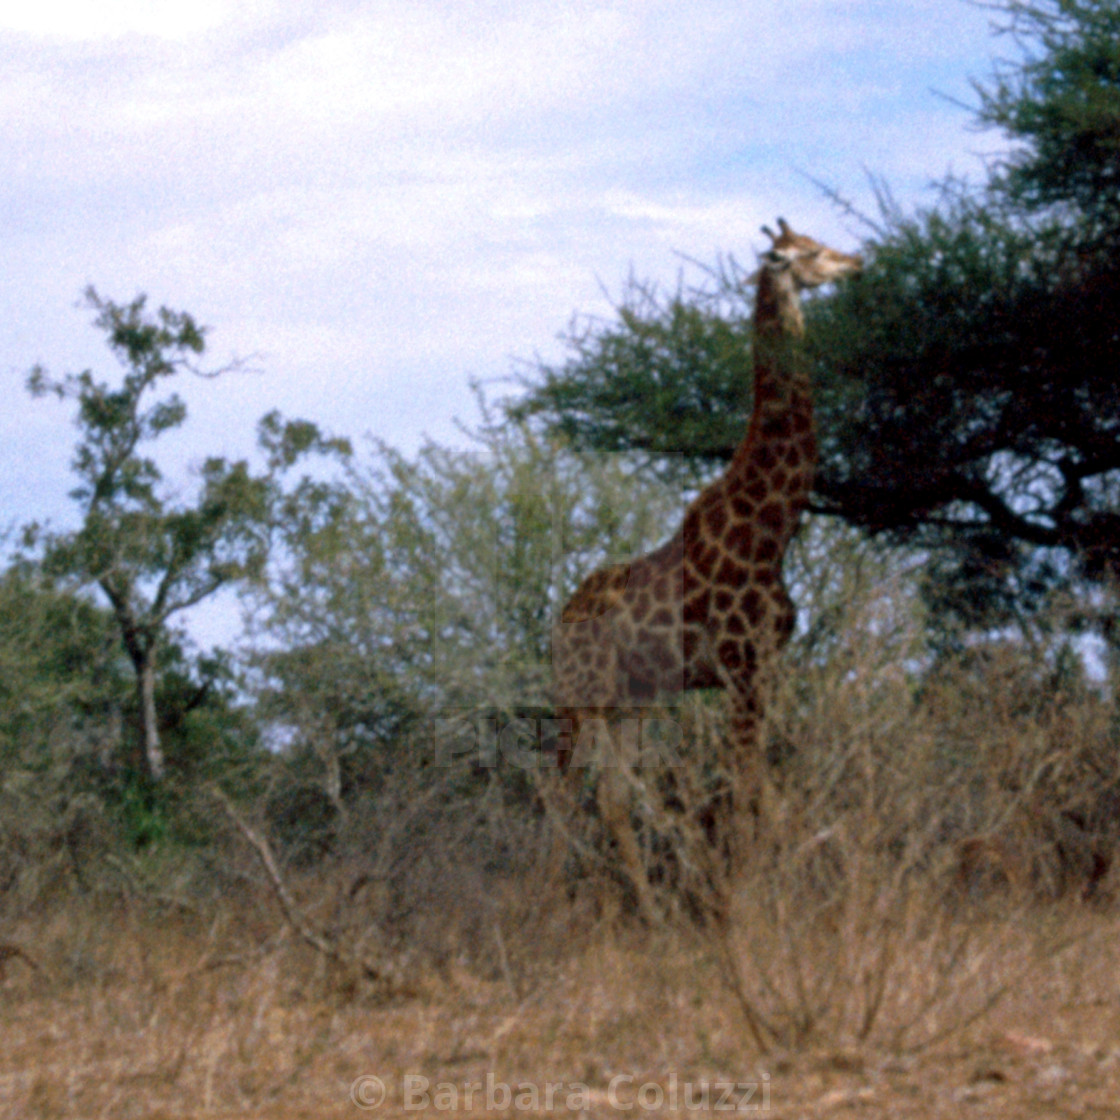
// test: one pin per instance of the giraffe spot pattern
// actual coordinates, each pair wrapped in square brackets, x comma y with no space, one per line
[766,551]
[730,574]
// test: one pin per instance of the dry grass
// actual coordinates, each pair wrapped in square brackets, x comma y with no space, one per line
[134,1015]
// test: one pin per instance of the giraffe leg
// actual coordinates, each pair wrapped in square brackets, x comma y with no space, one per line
[748,806]
[606,739]
[558,787]
[558,799]
[614,792]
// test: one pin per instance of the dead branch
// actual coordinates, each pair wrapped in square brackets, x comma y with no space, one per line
[293,915]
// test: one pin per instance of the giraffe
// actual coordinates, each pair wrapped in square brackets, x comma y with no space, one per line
[708,609]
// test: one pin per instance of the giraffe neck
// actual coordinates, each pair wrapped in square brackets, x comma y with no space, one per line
[779,447]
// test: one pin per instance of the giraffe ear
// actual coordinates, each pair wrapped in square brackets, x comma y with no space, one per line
[770,233]
[783,225]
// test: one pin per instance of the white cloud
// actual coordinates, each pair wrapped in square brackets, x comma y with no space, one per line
[81,19]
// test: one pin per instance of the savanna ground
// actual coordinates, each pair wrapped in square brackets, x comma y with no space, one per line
[133,1016]
[927,925]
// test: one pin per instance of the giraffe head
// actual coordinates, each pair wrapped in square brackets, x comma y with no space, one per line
[808,262]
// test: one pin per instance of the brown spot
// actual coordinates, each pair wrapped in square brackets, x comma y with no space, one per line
[730,574]
[766,551]
[642,605]
[786,621]
[779,479]
[757,490]
[663,617]
[723,601]
[738,539]
[772,516]
[797,487]
[752,606]
[705,559]
[691,525]
[715,519]
[639,577]
[742,506]
[731,654]
[696,609]
[764,457]
[735,625]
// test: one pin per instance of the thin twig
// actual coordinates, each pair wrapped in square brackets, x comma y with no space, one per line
[292,913]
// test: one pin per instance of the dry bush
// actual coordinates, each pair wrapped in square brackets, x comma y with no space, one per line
[912,814]
[1035,751]
[423,870]
[847,931]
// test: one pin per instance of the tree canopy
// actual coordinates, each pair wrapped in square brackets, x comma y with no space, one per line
[153,556]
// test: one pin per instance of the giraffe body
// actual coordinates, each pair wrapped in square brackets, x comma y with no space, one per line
[708,609]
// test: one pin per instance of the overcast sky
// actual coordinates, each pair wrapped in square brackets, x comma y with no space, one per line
[379,200]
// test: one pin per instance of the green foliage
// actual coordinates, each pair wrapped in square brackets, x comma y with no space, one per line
[142,814]
[979,353]
[426,586]
[285,442]
[669,378]
[980,408]
[153,556]
[68,710]
[1062,101]
[152,559]
[63,680]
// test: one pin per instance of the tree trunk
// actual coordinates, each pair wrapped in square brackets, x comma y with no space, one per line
[153,752]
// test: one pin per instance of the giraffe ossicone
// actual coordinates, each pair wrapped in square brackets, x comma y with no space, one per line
[708,609]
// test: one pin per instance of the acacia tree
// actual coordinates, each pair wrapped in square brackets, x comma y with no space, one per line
[151,555]
[967,390]
[980,408]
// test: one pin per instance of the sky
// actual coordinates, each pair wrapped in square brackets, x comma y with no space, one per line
[375,202]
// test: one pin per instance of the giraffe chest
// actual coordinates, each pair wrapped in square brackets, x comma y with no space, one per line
[690,615]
